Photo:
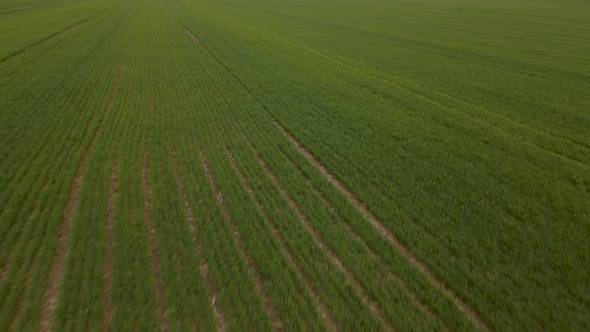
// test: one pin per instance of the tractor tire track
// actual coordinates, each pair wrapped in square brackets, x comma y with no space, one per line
[217,312]
[425,308]
[276,321]
[320,242]
[469,311]
[324,313]
[377,224]
[58,265]
[204,267]
[192,36]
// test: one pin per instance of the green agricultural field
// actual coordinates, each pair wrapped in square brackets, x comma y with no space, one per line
[252,165]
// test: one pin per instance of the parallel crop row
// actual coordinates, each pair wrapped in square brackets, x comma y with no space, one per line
[245,165]
[458,182]
[37,187]
[369,277]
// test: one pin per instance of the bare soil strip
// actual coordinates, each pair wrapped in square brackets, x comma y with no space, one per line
[108,258]
[188,31]
[192,36]
[326,315]
[155,262]
[470,312]
[221,326]
[58,266]
[276,321]
[317,238]
[217,312]
[392,275]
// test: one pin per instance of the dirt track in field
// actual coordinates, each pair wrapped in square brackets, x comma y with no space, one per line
[324,313]
[51,296]
[470,312]
[220,320]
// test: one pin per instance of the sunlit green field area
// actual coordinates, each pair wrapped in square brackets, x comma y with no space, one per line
[256,165]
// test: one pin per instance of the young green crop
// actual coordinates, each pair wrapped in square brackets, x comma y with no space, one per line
[257,165]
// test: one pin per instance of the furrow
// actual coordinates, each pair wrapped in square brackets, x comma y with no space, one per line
[276,321]
[392,275]
[320,242]
[470,312]
[221,326]
[108,258]
[326,315]
[188,31]
[192,36]
[155,261]
[51,296]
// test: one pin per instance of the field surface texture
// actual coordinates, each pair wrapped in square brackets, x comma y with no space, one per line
[253,165]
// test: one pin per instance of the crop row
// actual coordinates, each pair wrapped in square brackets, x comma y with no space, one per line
[317,212]
[182,166]
[40,174]
[458,185]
